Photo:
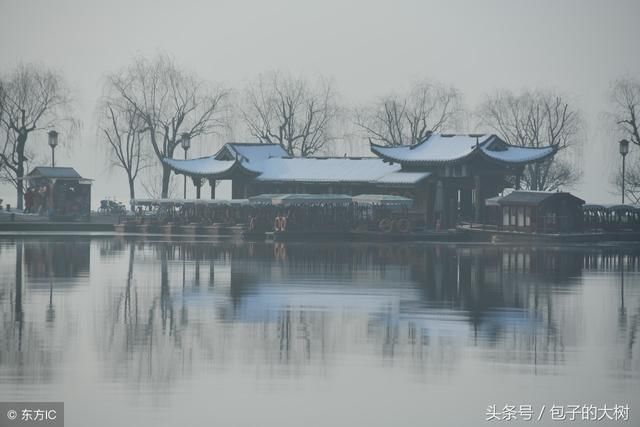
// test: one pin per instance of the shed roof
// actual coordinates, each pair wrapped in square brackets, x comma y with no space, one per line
[54,172]
[534,198]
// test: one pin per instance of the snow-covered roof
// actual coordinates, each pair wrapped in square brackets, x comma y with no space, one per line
[318,169]
[54,172]
[201,166]
[445,148]
[519,154]
[251,153]
[270,163]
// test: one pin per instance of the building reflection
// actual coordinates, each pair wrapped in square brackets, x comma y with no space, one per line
[163,310]
[57,258]
[293,307]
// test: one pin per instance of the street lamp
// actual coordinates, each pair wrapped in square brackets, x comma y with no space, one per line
[186,143]
[624,150]
[53,142]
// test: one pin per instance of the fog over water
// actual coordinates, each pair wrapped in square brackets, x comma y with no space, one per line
[368,48]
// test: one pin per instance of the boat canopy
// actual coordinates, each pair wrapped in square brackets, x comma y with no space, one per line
[383,199]
[184,202]
[285,200]
[611,207]
[300,199]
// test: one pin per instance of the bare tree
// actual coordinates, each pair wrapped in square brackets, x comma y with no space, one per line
[631,183]
[625,98]
[537,119]
[625,115]
[281,109]
[406,120]
[34,99]
[169,101]
[122,128]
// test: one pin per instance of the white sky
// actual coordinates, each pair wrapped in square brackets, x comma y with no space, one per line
[368,47]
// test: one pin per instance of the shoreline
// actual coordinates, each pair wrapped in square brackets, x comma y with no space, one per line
[459,235]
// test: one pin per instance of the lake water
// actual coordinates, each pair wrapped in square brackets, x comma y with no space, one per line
[161,333]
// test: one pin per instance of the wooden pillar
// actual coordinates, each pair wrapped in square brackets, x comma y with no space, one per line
[197,181]
[439,205]
[466,205]
[212,184]
[479,199]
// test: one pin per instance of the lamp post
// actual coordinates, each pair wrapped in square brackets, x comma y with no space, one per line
[53,142]
[624,150]
[186,143]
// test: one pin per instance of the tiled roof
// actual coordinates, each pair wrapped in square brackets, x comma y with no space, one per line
[343,169]
[270,163]
[201,166]
[445,148]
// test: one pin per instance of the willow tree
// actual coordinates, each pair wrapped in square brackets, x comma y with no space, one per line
[409,118]
[34,99]
[279,108]
[170,102]
[122,129]
[538,119]
[625,116]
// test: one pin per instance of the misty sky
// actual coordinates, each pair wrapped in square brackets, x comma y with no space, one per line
[369,48]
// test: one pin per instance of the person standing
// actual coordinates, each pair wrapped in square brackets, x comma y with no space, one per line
[28,201]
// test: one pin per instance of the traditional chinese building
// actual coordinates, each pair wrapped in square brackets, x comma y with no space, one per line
[447,176]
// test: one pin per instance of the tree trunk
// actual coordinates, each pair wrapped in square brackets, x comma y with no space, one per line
[22,139]
[132,193]
[166,179]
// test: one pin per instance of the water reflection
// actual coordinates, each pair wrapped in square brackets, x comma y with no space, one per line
[157,311]
[32,345]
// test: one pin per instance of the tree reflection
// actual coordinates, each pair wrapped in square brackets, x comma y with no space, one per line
[412,301]
[32,340]
[291,309]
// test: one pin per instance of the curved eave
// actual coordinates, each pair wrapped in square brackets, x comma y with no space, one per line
[235,166]
[478,150]
[375,149]
[542,155]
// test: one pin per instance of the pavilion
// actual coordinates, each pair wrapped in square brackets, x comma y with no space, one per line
[448,176]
